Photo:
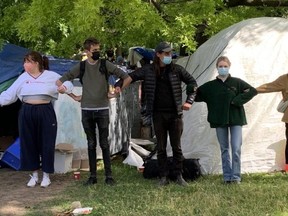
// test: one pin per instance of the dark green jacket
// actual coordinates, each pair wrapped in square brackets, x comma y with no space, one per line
[225,101]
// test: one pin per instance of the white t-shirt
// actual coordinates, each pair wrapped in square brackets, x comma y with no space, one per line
[26,85]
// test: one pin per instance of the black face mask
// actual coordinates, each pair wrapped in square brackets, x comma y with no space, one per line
[95,55]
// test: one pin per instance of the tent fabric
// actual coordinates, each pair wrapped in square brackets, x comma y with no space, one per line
[11,62]
[257,49]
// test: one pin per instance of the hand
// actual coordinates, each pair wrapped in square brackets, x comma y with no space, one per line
[186,106]
[61,89]
[117,90]
[76,97]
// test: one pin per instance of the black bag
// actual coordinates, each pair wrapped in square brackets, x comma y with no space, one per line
[191,169]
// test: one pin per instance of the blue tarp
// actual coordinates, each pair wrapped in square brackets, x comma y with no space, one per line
[11,62]
[149,53]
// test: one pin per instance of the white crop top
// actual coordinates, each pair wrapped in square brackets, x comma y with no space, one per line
[26,85]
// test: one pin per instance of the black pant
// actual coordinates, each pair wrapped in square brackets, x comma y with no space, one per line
[91,118]
[286,148]
[172,124]
[38,130]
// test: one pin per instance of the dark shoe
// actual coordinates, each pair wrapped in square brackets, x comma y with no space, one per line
[110,181]
[235,182]
[90,181]
[163,181]
[227,182]
[180,181]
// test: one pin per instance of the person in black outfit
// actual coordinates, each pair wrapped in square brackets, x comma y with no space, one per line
[164,101]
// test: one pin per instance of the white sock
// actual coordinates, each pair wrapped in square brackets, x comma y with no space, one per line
[45,175]
[35,174]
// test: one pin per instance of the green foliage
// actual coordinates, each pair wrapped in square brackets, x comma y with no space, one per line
[60,27]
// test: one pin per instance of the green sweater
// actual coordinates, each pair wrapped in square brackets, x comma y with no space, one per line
[225,101]
[95,89]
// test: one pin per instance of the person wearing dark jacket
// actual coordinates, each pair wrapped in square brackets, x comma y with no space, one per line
[225,97]
[163,90]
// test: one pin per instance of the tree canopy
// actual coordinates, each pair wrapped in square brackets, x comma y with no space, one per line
[60,27]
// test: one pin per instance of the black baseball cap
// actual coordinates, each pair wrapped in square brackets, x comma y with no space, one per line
[163,47]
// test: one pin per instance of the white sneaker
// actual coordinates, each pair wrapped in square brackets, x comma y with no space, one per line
[32,182]
[45,182]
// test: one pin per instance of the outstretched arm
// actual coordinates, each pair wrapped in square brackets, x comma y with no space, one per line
[276,86]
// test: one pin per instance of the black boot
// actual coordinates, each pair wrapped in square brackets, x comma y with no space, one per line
[109,180]
[90,181]
[180,181]
[92,167]
[163,181]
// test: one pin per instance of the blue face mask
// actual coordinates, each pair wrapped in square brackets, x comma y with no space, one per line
[166,60]
[223,71]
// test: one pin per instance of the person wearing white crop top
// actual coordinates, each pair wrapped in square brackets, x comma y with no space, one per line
[36,88]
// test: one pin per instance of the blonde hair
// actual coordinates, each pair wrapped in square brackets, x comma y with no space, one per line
[223,58]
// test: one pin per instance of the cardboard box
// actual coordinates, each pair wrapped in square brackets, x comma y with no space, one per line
[76,164]
[85,164]
[76,161]
[65,147]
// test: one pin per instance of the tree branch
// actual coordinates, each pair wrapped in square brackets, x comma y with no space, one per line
[160,11]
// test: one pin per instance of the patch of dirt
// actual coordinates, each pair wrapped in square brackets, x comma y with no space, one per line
[16,198]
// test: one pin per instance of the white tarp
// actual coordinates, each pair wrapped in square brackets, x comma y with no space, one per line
[258,50]
[70,128]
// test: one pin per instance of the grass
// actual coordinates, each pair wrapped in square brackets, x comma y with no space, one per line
[259,194]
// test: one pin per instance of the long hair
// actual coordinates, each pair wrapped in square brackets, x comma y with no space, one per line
[34,56]
[156,64]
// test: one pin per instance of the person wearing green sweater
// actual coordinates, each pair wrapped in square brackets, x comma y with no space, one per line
[225,97]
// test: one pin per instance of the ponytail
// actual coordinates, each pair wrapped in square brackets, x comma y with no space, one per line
[45,63]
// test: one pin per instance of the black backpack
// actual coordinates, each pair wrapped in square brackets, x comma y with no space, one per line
[191,169]
[102,69]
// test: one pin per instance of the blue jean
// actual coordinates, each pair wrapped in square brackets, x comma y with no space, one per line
[231,171]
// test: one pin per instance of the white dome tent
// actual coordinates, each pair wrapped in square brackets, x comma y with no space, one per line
[258,51]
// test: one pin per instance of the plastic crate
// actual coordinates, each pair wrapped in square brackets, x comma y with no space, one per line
[11,156]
